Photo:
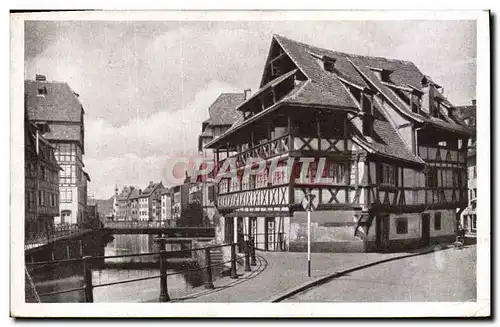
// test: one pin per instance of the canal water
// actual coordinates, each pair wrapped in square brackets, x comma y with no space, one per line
[69,276]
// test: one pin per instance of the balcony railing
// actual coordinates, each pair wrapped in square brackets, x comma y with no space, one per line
[265,150]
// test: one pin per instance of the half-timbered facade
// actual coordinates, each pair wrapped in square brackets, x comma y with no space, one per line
[56,106]
[41,182]
[373,139]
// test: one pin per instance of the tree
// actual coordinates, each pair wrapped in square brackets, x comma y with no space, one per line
[192,216]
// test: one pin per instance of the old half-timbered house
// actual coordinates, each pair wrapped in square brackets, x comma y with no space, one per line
[381,134]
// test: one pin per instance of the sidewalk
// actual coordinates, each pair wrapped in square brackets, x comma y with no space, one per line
[282,274]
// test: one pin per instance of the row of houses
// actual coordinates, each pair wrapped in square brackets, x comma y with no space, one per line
[397,154]
[55,179]
[159,203]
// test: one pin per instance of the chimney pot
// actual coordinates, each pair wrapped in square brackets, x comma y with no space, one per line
[40,77]
[247,91]
[474,102]
[140,191]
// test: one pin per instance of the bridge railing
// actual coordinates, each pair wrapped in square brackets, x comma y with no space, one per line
[59,232]
[138,224]
[207,258]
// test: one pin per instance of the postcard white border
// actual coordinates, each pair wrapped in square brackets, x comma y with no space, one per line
[481,307]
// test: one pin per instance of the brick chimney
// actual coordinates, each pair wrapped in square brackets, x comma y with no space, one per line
[40,78]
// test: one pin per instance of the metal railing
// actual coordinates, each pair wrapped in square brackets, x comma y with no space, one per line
[88,262]
[59,232]
[138,224]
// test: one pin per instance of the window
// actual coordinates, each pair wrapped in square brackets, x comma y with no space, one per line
[245,182]
[223,188]
[31,199]
[437,221]
[279,174]
[416,103]
[32,170]
[367,104]
[435,108]
[329,65]
[356,93]
[336,171]
[43,173]
[261,179]
[456,177]
[42,91]
[66,195]
[402,226]
[431,177]
[367,126]
[388,174]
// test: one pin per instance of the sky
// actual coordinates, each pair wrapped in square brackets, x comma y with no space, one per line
[146,86]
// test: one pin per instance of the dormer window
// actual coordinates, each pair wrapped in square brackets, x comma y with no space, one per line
[368,125]
[435,108]
[416,103]
[329,64]
[42,91]
[382,74]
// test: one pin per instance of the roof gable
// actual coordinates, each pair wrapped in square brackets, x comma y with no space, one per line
[150,189]
[58,103]
[223,110]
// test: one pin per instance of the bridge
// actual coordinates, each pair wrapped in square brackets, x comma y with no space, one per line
[159,227]
[59,233]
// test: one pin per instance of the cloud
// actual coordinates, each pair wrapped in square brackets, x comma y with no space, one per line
[136,152]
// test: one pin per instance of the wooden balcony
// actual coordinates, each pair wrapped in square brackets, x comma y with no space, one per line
[273,196]
[263,151]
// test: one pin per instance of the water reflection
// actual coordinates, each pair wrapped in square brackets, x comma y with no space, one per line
[68,276]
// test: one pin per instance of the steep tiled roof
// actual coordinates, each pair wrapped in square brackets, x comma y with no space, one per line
[356,69]
[390,142]
[467,112]
[134,194]
[323,88]
[223,110]
[59,103]
[149,189]
[125,193]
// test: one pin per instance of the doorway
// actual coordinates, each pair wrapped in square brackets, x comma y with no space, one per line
[426,229]
[269,234]
[382,226]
